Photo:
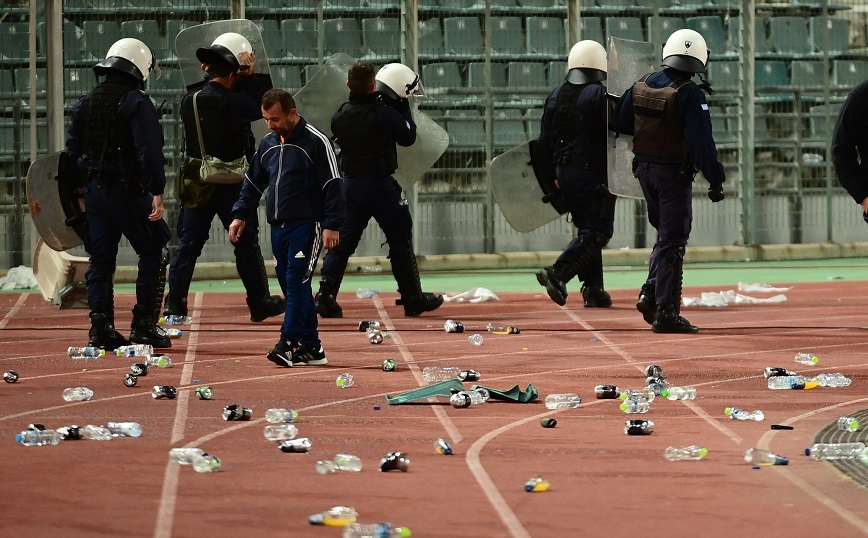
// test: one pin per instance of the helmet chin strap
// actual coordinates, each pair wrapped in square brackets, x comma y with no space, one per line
[704,85]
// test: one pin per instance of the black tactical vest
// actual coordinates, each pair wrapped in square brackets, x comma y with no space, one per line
[657,131]
[223,139]
[365,150]
[580,124]
[108,139]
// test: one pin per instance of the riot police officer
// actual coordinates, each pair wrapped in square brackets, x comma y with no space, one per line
[850,145]
[116,139]
[667,114]
[226,104]
[572,143]
[367,127]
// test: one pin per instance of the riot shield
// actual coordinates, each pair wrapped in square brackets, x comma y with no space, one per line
[323,95]
[53,186]
[525,194]
[628,61]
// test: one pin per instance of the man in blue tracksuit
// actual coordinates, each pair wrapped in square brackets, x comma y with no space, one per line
[367,128]
[116,140]
[226,105]
[667,114]
[305,208]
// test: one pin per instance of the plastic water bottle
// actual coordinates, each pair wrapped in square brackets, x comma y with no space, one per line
[302,444]
[39,437]
[135,350]
[185,456]
[607,392]
[476,397]
[342,462]
[771,371]
[176,320]
[687,453]
[368,325]
[77,394]
[452,326]
[832,380]
[735,413]
[70,433]
[237,412]
[679,393]
[808,359]
[160,361]
[536,484]
[96,433]
[759,456]
[434,374]
[85,352]
[475,339]
[631,407]
[460,400]
[499,328]
[442,446]
[639,427]
[657,384]
[280,432]
[563,401]
[140,369]
[344,381]
[125,429]
[796,382]
[206,463]
[366,293]
[469,375]
[640,395]
[848,424]
[174,334]
[837,451]
[164,392]
[369,269]
[336,516]
[275,416]
[374,530]
[10,376]
[652,370]
[375,336]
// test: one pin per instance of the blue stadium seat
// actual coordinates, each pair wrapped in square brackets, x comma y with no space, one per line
[466,132]
[771,73]
[507,37]
[711,28]
[837,33]
[592,28]
[342,35]
[720,129]
[441,76]
[660,28]
[526,75]
[381,38]
[272,38]
[72,40]
[341,5]
[724,75]
[287,77]
[462,36]
[508,128]
[808,73]
[625,28]
[849,73]
[302,44]
[381,4]
[22,82]
[789,35]
[820,127]
[99,36]
[761,46]
[146,31]
[533,118]
[456,5]
[536,4]
[545,36]
[430,38]
[169,85]
[173,28]
[555,73]
[14,41]
[476,75]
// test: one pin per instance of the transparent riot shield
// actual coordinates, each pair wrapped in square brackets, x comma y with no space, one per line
[53,186]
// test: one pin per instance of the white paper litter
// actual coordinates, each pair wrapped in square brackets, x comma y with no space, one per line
[20,277]
[723,298]
[474,295]
[760,288]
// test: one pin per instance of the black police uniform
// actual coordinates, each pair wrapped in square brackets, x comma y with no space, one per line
[669,147]
[850,144]
[225,117]
[116,139]
[573,138]
[366,131]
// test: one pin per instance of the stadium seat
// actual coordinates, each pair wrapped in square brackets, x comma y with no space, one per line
[301,37]
[592,28]
[508,128]
[22,82]
[624,28]
[272,38]
[72,40]
[7,89]
[341,5]
[14,41]
[545,36]
[440,77]
[660,28]
[287,77]
[789,35]
[711,28]
[526,75]
[555,73]
[77,82]
[849,73]
[430,38]
[476,75]
[719,125]
[462,36]
[808,73]
[536,4]
[456,5]
[99,36]
[533,118]
[724,75]
[838,34]
[342,35]
[466,132]
[771,73]
[507,37]
[381,38]
[170,85]
[819,129]
[146,31]
[616,3]
[173,28]
[761,46]
[381,4]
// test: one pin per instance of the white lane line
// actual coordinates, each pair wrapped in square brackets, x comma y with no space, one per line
[14,310]
[820,497]
[169,495]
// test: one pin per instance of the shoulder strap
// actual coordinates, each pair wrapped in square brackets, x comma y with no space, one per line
[198,125]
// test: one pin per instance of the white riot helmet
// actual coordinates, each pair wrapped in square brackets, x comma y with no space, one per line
[398,81]
[225,48]
[129,56]
[685,50]
[586,63]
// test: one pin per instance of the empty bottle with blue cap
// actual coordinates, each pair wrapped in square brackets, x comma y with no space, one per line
[761,456]
[375,530]
[88,352]
[39,437]
[808,359]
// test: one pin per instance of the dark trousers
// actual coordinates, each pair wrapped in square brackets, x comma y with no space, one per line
[670,212]
[381,200]
[113,212]
[296,247]
[194,226]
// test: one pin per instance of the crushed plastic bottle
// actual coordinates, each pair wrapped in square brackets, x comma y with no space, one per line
[336,516]
[174,334]
[135,350]
[176,320]
[164,392]
[442,446]
[89,352]
[452,326]
[460,400]
[475,339]
[679,393]
[375,336]
[808,359]
[536,484]
[607,392]
[96,433]
[131,380]
[140,369]
[344,381]
[369,269]
[206,463]
[759,456]
[848,424]
[652,370]
[794,382]
[375,530]
[563,401]
[277,415]
[395,461]
[500,328]
[237,412]
[475,397]
[366,293]
[832,380]
[10,376]
[39,437]
[772,371]
[280,432]
[639,427]
[185,455]
[837,451]
[77,394]
[124,429]
[342,462]
[70,433]
[435,374]
[205,393]
[365,326]
[735,413]
[632,407]
[657,384]
[687,453]
[300,445]
[641,395]
[160,361]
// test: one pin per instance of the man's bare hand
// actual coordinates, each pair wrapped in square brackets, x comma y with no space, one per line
[236,229]
[331,238]
[248,64]
[156,208]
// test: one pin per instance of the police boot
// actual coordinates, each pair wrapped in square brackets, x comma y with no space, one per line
[103,333]
[647,303]
[554,279]
[274,305]
[667,320]
[175,306]
[144,329]
[413,299]
[596,297]
[326,298]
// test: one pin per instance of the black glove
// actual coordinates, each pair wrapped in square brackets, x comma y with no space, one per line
[715,193]
[865,216]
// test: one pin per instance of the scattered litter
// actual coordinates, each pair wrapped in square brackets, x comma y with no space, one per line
[300,445]
[593,340]
[376,408]
[473,295]
[204,393]
[10,376]
[536,484]
[760,288]
[723,298]
[389,365]
[336,516]
[441,446]
[344,381]
[639,427]
[548,422]
[130,380]
[452,326]
[781,427]
[237,412]
[20,277]
[759,456]
[395,461]
[475,339]
[164,392]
